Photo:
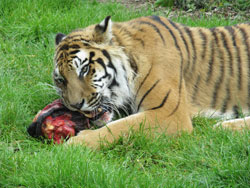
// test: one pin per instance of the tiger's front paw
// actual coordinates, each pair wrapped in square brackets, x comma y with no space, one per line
[89,138]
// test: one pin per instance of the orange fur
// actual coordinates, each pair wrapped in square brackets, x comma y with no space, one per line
[173,72]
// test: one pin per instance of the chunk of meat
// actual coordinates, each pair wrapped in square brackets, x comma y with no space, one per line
[57,123]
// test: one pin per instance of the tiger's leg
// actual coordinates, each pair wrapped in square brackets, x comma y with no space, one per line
[159,120]
[146,120]
[235,124]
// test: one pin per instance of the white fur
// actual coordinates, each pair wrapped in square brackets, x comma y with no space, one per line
[122,91]
[125,90]
[77,63]
[212,113]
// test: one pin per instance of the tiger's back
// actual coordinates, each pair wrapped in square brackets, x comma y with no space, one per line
[215,62]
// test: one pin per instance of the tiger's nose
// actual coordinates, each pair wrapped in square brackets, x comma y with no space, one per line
[78,105]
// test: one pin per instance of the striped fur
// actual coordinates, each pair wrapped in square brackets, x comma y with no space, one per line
[164,71]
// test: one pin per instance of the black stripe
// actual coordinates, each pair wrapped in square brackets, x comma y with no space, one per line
[110,64]
[76,65]
[222,71]
[131,36]
[98,85]
[163,101]
[232,32]
[247,49]
[100,61]
[114,83]
[133,64]
[155,28]
[181,34]
[236,111]
[190,34]
[64,47]
[73,36]
[95,103]
[91,55]
[157,19]
[144,96]
[84,42]
[196,87]
[227,99]
[225,44]
[184,40]
[58,57]
[204,43]
[106,54]
[100,79]
[211,61]
[74,52]
[143,80]
[94,95]
[82,61]
[106,23]
[74,46]
[77,38]
[92,101]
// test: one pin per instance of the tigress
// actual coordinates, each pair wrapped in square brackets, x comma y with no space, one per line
[159,72]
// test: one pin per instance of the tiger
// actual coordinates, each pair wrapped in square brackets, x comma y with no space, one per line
[158,72]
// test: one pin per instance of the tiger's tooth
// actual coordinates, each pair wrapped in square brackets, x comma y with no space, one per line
[88,115]
[99,109]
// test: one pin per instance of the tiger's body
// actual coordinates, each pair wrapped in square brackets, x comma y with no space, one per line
[165,72]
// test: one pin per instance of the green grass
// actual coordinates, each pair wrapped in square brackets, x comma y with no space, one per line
[206,158]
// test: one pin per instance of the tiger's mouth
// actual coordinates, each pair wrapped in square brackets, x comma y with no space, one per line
[99,114]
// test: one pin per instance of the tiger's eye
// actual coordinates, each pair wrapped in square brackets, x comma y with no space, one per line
[85,69]
[60,81]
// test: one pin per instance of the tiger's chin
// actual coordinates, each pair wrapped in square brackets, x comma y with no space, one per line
[103,119]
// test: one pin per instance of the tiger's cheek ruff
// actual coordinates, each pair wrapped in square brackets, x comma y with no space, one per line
[120,88]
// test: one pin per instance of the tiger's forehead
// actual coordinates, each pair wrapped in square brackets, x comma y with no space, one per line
[72,60]
[66,49]
[76,39]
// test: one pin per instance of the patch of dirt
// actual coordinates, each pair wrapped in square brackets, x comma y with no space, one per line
[226,12]
[133,4]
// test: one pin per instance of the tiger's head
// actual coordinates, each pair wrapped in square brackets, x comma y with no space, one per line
[92,75]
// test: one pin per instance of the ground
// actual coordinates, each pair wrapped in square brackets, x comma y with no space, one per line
[223,11]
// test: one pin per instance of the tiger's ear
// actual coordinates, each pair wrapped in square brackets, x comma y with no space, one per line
[104,30]
[59,38]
